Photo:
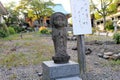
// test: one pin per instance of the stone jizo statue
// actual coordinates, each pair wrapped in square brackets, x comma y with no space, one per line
[59,35]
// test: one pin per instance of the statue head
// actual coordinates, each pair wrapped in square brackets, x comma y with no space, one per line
[58,19]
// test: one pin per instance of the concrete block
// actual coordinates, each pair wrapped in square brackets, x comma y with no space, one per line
[52,71]
[70,78]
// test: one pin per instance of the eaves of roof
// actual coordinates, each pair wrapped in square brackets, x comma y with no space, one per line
[59,8]
[3,10]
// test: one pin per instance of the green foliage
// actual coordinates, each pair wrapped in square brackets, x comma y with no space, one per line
[36,8]
[42,7]
[17,29]
[97,15]
[13,17]
[109,26]
[105,8]
[112,8]
[45,31]
[4,32]
[11,30]
[116,37]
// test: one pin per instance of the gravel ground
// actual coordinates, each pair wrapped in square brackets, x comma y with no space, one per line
[97,68]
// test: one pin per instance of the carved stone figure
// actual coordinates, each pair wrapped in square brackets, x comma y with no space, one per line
[59,35]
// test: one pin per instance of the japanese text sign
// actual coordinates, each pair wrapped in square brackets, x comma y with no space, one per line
[81,17]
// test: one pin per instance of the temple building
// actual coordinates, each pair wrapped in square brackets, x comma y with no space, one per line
[56,8]
[45,20]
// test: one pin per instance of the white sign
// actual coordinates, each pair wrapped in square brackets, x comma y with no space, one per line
[81,17]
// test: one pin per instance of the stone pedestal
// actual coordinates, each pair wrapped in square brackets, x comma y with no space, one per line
[67,71]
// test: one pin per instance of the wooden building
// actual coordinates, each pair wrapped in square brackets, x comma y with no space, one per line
[45,20]
[3,11]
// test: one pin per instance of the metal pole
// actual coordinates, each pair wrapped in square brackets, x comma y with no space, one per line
[81,56]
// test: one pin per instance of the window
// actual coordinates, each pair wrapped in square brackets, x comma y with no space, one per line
[101,21]
[98,23]
[112,18]
[118,17]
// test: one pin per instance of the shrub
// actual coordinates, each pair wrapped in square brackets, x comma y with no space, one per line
[44,30]
[116,37]
[11,30]
[17,29]
[4,32]
[109,26]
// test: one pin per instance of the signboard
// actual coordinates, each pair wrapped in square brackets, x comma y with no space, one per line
[81,17]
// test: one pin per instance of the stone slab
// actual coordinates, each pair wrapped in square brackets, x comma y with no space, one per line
[70,78]
[52,71]
[103,33]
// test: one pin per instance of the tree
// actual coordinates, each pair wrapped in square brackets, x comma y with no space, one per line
[41,8]
[35,8]
[12,16]
[103,9]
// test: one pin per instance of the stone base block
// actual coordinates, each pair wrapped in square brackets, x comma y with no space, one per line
[70,78]
[67,71]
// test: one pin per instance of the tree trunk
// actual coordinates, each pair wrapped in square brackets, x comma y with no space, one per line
[104,22]
[104,19]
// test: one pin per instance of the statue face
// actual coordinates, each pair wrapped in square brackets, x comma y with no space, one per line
[59,21]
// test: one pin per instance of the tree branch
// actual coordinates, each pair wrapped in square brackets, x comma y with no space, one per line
[96,8]
[108,3]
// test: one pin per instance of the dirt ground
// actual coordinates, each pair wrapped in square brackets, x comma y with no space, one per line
[97,68]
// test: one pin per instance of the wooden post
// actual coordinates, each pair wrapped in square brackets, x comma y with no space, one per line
[81,55]
[115,25]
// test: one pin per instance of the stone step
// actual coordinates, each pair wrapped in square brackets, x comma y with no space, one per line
[70,78]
